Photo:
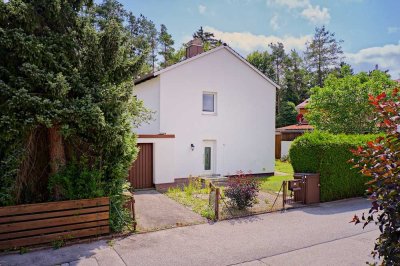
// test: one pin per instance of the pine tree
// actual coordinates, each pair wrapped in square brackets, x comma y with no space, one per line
[208,38]
[323,54]
[166,50]
[145,40]
[296,79]
[278,57]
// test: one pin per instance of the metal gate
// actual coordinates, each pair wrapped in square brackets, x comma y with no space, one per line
[141,172]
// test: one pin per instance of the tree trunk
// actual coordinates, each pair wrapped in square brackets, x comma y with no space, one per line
[319,76]
[56,149]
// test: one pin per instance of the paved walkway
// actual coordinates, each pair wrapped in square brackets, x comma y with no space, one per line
[308,236]
[156,211]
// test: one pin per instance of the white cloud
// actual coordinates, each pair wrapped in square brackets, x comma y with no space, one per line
[316,15]
[246,42]
[387,57]
[290,3]
[274,22]
[202,9]
[393,29]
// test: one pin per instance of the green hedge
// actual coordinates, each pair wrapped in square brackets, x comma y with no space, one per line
[328,154]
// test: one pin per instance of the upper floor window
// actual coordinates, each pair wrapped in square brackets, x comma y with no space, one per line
[209,102]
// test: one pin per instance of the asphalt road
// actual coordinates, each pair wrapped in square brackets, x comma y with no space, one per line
[320,235]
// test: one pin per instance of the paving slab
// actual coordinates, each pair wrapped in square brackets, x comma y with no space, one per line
[108,256]
[85,262]
[155,211]
[354,250]
[55,256]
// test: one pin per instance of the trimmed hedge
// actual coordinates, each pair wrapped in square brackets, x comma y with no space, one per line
[328,154]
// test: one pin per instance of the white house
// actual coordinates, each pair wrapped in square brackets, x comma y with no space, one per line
[214,115]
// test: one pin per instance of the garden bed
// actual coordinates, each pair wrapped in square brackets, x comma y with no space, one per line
[196,195]
[264,203]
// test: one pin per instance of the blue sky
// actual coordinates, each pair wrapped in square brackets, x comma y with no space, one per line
[370,29]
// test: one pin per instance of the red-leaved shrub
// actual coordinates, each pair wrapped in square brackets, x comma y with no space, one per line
[380,160]
[242,190]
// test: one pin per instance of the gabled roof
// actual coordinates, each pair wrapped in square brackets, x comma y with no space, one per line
[303,104]
[224,46]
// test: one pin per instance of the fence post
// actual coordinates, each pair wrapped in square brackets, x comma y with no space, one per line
[133,213]
[217,195]
[284,194]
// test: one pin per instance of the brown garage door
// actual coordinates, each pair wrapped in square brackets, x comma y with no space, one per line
[141,173]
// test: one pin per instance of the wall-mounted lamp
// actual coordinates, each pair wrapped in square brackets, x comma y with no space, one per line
[192,147]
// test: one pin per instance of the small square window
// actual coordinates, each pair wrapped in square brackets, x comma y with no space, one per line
[209,102]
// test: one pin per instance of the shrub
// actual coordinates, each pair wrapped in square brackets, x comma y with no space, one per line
[380,160]
[328,154]
[76,181]
[242,190]
[79,180]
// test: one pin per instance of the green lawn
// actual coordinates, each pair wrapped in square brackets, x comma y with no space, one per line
[284,167]
[274,183]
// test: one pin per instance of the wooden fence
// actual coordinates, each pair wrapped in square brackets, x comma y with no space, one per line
[278,145]
[31,224]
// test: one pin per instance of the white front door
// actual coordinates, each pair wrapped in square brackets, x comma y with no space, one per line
[209,158]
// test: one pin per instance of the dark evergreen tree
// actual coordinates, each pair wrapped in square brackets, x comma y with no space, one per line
[278,57]
[166,46]
[296,79]
[208,39]
[323,53]
[66,73]
[145,41]
[287,114]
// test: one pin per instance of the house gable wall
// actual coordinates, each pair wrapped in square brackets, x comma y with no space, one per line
[243,128]
[149,93]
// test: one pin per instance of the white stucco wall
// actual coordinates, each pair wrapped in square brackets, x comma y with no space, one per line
[163,159]
[285,146]
[243,128]
[149,93]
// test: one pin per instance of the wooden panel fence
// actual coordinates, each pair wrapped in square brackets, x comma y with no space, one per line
[32,224]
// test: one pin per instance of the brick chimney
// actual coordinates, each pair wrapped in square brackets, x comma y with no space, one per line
[194,47]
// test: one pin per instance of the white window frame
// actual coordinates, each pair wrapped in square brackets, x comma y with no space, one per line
[215,103]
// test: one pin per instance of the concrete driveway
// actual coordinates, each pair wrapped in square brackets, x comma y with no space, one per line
[309,236]
[156,211]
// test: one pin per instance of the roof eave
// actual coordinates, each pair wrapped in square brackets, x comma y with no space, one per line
[224,46]
[145,78]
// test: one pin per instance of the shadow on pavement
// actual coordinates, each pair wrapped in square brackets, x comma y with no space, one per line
[55,257]
[335,207]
